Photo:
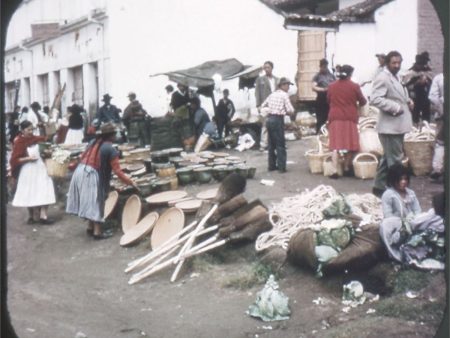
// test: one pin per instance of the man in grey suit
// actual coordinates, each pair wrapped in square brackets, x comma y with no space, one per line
[264,86]
[395,119]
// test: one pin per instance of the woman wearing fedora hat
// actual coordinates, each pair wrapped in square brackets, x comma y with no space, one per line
[90,182]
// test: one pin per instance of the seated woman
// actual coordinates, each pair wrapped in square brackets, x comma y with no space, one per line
[89,187]
[398,200]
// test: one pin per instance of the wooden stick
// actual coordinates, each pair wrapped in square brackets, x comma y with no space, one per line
[134,280]
[155,263]
[190,241]
[206,248]
[162,246]
[167,247]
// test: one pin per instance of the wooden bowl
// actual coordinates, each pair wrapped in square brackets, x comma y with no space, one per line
[110,203]
[135,167]
[140,230]
[169,224]
[131,212]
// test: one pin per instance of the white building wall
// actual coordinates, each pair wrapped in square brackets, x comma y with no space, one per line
[41,11]
[154,36]
[357,44]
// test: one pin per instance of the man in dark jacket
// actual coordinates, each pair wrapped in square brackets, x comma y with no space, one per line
[135,119]
[201,117]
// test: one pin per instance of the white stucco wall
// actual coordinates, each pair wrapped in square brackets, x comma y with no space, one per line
[357,44]
[37,11]
[155,36]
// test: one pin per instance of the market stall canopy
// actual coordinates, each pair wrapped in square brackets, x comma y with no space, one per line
[201,76]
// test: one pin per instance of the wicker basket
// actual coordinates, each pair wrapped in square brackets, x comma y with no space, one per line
[328,167]
[365,165]
[55,169]
[315,160]
[420,155]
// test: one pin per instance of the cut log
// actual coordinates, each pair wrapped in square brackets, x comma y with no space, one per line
[229,207]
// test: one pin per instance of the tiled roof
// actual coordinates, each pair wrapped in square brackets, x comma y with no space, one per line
[361,12]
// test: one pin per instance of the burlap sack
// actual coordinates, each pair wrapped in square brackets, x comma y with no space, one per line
[301,249]
[363,252]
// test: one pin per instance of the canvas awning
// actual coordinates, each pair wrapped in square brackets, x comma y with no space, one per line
[201,76]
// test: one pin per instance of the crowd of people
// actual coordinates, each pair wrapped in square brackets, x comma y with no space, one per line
[403,101]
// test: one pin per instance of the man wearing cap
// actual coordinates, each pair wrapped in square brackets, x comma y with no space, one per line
[278,105]
[320,85]
[135,119]
[394,121]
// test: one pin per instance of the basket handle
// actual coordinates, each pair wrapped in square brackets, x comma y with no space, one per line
[320,145]
[365,154]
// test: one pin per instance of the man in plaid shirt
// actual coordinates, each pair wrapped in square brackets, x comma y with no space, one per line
[279,105]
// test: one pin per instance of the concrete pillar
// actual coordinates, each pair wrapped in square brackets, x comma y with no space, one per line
[36,89]
[90,96]
[102,88]
[66,77]
[24,92]
[53,86]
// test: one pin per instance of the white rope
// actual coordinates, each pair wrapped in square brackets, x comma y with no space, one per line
[305,211]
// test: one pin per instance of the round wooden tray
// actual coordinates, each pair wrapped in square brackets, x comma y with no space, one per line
[140,230]
[135,167]
[110,203]
[169,224]
[166,196]
[207,194]
[189,205]
[131,213]
[139,172]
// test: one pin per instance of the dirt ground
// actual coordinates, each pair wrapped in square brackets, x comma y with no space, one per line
[61,283]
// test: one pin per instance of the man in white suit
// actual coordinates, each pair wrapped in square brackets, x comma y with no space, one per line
[395,119]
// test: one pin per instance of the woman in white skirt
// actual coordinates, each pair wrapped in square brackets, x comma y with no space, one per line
[89,186]
[34,187]
[75,134]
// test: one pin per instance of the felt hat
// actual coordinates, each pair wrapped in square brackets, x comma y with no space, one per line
[284,80]
[106,128]
[106,97]
[131,94]
[35,105]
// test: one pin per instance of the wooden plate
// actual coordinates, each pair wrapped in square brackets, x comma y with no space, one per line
[110,203]
[172,203]
[233,158]
[166,196]
[131,213]
[189,205]
[169,224]
[207,194]
[134,167]
[140,230]
[221,154]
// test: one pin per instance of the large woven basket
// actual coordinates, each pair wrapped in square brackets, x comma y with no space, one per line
[420,155]
[55,169]
[365,165]
[315,160]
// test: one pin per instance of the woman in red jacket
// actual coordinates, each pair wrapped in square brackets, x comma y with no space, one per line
[34,187]
[89,186]
[344,97]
